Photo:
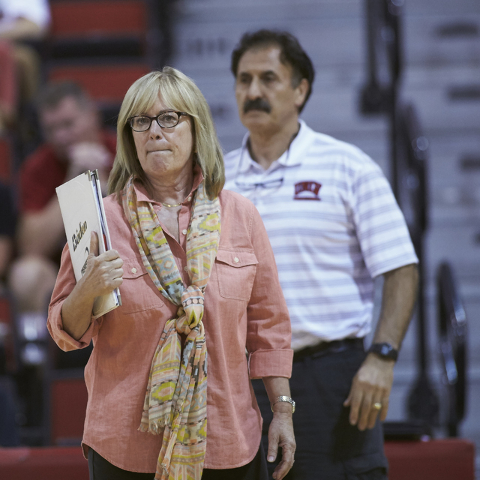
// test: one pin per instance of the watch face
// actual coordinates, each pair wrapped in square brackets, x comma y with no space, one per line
[386,349]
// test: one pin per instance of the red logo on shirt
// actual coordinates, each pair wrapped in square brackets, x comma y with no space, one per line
[307,191]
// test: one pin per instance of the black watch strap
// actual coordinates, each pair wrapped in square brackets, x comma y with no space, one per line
[384,350]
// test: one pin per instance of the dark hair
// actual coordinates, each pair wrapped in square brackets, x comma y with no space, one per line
[291,53]
[54,92]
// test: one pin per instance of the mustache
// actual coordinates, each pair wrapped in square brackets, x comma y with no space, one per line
[257,104]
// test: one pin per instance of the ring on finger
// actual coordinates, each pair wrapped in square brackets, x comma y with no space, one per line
[377,406]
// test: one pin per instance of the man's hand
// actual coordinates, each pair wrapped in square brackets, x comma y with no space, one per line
[371,385]
[87,156]
[280,434]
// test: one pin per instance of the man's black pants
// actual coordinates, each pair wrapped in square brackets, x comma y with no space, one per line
[328,447]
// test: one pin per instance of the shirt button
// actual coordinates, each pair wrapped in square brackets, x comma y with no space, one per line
[134,270]
[189,199]
[185,268]
[184,231]
[236,260]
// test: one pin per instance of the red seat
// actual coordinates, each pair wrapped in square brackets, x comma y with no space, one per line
[105,17]
[100,45]
[104,83]
[445,459]
[53,463]
[5,160]
[68,403]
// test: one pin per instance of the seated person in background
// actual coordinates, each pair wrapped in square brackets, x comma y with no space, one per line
[19,64]
[7,229]
[75,142]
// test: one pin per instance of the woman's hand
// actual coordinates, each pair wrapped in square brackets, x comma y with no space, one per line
[280,434]
[103,274]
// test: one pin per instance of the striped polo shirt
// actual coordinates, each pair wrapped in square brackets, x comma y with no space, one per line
[334,226]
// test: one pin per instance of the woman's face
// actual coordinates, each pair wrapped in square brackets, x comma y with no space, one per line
[165,152]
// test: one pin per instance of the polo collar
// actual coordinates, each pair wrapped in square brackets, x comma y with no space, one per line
[292,157]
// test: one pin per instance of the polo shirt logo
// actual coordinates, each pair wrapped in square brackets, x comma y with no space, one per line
[307,191]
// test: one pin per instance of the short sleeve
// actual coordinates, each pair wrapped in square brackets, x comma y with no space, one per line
[37,11]
[380,224]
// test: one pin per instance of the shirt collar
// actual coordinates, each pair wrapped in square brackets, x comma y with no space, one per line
[143,196]
[293,156]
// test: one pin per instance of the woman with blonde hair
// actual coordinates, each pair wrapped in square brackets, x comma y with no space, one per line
[198,281]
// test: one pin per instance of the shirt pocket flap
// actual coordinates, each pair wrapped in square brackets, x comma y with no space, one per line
[133,268]
[236,259]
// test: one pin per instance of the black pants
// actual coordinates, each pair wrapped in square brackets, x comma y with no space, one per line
[101,469]
[328,447]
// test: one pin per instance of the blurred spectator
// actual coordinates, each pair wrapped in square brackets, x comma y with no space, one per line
[75,142]
[20,20]
[7,229]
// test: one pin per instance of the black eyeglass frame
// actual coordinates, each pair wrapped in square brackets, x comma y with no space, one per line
[156,118]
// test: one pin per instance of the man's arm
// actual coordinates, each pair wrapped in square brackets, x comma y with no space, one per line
[40,233]
[373,381]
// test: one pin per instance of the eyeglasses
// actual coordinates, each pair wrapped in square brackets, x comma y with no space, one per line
[267,184]
[165,119]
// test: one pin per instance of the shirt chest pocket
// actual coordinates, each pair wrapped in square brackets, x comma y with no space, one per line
[235,273]
[138,290]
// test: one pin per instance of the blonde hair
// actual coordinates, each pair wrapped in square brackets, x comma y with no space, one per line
[180,93]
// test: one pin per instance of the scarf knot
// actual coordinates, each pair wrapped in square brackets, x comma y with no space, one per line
[190,313]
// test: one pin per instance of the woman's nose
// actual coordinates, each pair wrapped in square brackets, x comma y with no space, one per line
[155,130]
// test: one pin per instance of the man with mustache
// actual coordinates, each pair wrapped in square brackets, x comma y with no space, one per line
[334,226]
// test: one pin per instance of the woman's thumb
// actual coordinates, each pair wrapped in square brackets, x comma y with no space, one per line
[94,244]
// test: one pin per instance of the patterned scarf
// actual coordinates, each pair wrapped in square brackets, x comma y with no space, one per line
[176,398]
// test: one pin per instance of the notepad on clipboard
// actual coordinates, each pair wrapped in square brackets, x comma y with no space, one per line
[82,210]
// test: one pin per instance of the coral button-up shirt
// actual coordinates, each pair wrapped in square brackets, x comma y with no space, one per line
[244,311]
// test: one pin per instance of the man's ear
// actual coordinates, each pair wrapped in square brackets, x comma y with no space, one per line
[301,92]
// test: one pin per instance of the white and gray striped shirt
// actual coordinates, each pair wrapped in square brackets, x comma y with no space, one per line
[334,225]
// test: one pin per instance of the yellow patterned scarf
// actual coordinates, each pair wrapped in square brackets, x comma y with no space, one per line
[176,398]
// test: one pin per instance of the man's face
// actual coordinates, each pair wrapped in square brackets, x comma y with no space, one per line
[68,124]
[266,99]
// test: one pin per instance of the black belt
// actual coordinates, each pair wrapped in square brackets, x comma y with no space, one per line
[328,347]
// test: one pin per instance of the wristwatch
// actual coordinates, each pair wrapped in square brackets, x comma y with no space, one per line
[384,350]
[284,398]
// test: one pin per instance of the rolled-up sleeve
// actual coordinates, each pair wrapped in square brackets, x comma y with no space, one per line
[63,286]
[268,330]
